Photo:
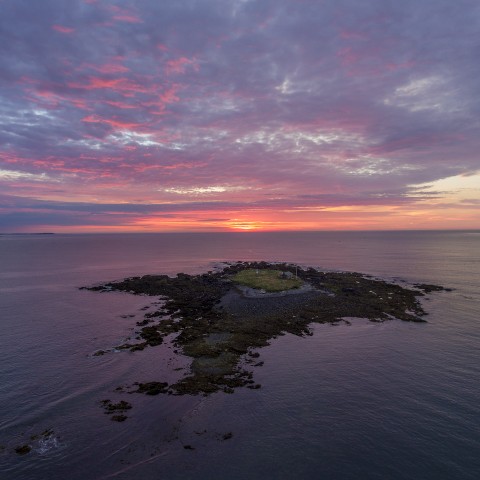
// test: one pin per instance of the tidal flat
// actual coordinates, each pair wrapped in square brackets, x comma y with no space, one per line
[220,323]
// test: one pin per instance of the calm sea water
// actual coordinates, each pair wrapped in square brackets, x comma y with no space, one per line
[372,401]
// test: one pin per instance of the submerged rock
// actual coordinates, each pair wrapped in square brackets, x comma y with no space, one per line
[428,288]
[119,418]
[23,449]
[116,409]
[152,388]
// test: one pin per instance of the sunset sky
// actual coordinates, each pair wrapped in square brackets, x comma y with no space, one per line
[232,115]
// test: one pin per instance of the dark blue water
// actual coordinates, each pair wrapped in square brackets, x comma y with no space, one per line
[376,401]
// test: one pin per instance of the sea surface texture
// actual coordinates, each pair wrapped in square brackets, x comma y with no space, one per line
[392,400]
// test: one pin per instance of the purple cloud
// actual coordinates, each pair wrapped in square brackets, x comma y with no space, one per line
[232,104]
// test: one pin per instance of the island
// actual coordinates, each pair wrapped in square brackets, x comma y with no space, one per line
[221,318]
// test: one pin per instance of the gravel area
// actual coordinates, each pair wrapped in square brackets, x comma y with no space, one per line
[239,305]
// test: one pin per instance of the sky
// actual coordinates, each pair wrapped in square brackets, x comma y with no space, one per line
[239,115]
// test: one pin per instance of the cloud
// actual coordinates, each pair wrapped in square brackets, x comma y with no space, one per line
[62,29]
[335,101]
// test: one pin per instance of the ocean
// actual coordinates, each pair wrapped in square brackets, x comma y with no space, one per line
[392,400]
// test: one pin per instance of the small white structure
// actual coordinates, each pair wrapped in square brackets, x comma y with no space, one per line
[286,275]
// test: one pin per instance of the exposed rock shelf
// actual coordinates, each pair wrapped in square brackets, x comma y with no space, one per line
[217,324]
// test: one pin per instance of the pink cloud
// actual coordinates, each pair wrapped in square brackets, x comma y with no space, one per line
[398,66]
[124,15]
[110,68]
[80,103]
[127,18]
[122,105]
[63,29]
[48,96]
[179,65]
[113,122]
[118,84]
[169,95]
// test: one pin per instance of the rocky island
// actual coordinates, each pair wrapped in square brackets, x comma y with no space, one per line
[220,318]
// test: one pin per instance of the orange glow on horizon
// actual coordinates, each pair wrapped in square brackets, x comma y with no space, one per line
[243,225]
[434,214]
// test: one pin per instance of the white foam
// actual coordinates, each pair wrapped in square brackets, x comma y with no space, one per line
[47,444]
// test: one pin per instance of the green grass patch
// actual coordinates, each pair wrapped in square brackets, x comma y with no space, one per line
[268,280]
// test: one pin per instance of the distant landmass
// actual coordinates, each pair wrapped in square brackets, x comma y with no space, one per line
[23,234]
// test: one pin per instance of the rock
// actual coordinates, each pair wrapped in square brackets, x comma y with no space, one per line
[428,288]
[110,407]
[119,418]
[152,388]
[198,308]
[23,449]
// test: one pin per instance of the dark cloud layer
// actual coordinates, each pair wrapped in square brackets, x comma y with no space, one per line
[221,106]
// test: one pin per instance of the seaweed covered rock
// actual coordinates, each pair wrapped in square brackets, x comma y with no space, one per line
[216,324]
